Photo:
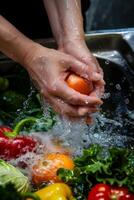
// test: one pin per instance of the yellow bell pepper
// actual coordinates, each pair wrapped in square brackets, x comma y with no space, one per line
[57,191]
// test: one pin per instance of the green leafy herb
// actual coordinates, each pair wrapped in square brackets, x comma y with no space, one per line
[114,166]
[9,192]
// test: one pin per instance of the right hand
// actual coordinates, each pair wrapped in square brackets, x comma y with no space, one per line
[48,69]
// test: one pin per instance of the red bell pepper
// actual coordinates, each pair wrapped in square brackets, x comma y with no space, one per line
[11,145]
[106,192]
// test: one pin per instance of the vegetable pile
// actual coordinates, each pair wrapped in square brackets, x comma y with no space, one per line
[99,174]
[113,166]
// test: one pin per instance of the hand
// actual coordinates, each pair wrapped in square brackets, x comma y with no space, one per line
[80,51]
[49,68]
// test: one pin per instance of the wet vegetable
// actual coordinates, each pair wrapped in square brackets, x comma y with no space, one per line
[114,166]
[9,192]
[57,191]
[79,84]
[10,174]
[46,168]
[120,193]
[106,192]
[11,145]
[99,192]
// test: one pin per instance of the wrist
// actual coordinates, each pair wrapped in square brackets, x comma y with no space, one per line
[34,53]
[70,41]
[21,45]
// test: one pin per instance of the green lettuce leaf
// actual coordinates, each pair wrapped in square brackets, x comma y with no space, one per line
[10,174]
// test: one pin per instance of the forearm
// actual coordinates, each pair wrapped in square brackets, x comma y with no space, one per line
[54,19]
[13,43]
[69,17]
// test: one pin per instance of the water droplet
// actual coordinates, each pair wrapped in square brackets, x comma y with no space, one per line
[106,95]
[118,87]
[107,62]
[126,101]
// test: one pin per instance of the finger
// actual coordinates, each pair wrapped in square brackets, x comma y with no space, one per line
[97,93]
[86,71]
[73,97]
[83,54]
[97,77]
[66,109]
[88,110]
[90,60]
[63,108]
[99,69]
[99,88]
[93,64]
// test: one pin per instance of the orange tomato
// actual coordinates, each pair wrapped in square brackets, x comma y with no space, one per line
[79,84]
[46,168]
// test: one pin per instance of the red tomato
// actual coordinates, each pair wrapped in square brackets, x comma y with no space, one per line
[127,197]
[106,192]
[79,84]
[99,192]
[118,192]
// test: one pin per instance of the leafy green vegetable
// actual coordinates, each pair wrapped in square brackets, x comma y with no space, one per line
[114,166]
[44,123]
[10,174]
[11,100]
[9,192]
[19,100]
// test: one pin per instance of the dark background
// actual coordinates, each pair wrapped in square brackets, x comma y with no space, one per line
[29,16]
